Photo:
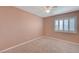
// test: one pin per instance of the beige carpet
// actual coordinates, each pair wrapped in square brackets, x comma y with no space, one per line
[46,45]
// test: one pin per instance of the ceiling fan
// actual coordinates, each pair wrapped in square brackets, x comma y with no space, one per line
[48,8]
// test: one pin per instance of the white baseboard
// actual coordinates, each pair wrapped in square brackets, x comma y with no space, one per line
[67,43]
[20,44]
[50,37]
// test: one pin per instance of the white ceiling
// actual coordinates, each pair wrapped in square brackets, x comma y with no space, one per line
[39,11]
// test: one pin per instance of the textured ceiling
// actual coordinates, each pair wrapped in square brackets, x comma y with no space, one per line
[39,10]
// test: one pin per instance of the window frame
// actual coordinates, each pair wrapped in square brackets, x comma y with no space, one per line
[75,25]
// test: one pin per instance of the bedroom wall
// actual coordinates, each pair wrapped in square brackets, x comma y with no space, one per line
[18,26]
[49,28]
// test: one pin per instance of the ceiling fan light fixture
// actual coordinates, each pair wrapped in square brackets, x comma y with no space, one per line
[47,11]
[48,8]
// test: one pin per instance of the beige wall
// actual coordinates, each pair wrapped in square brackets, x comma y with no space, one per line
[17,26]
[49,28]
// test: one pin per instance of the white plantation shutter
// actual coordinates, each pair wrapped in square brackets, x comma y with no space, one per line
[56,25]
[61,25]
[67,24]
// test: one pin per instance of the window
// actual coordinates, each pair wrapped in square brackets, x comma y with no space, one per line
[72,24]
[61,25]
[67,24]
[56,25]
